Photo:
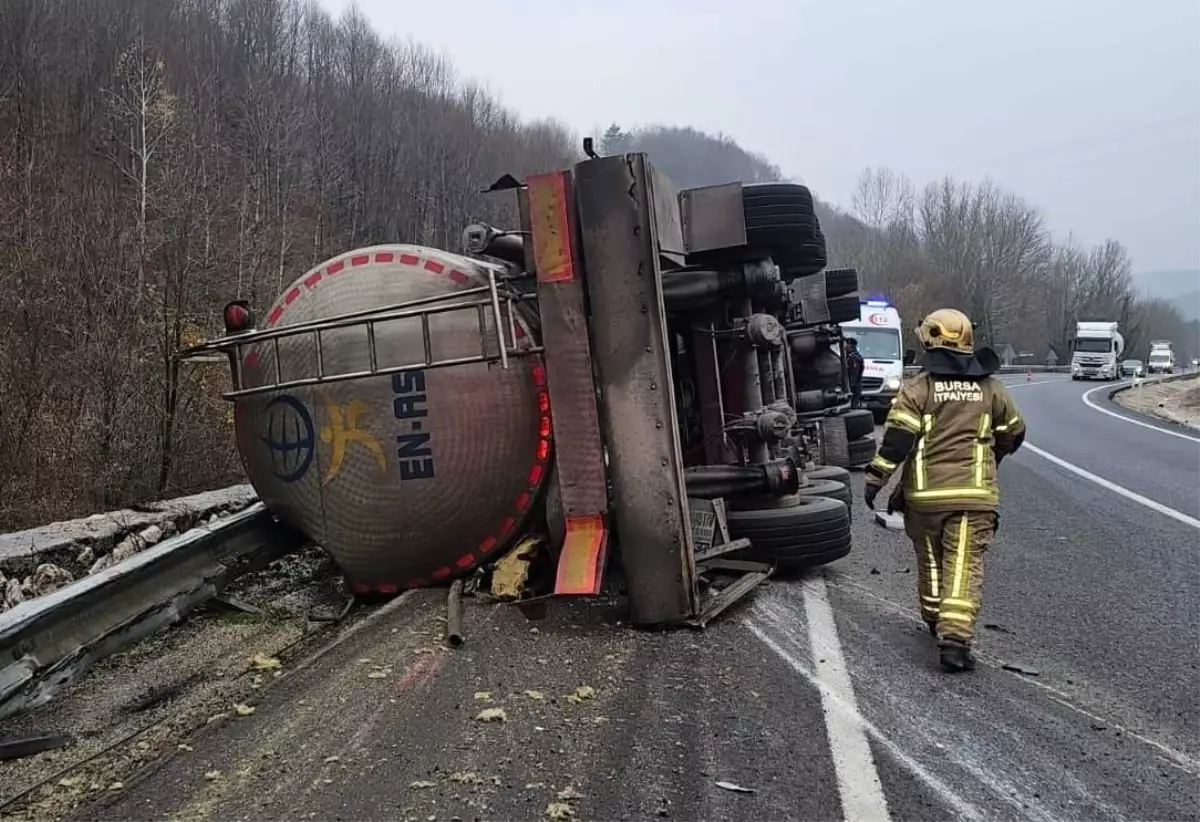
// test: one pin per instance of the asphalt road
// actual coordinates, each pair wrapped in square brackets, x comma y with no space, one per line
[820,699]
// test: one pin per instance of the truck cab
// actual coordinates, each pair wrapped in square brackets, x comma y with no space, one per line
[1096,351]
[878,331]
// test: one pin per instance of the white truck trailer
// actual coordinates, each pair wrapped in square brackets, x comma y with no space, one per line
[1096,351]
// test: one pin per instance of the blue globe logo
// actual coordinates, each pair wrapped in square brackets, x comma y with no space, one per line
[290,438]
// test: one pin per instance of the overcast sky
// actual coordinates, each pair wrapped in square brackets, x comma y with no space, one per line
[1088,108]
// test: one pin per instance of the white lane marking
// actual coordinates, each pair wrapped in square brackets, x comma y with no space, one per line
[1112,486]
[1035,382]
[1087,400]
[844,703]
[853,762]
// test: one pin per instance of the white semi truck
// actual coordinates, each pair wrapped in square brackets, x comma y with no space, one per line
[1162,358]
[1096,351]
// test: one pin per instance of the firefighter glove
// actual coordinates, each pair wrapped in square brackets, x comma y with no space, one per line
[870,491]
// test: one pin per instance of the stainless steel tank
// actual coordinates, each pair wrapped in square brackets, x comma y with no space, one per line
[410,478]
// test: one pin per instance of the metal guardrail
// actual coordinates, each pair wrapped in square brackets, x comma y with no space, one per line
[48,642]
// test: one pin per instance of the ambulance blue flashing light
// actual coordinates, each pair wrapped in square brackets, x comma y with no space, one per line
[878,303]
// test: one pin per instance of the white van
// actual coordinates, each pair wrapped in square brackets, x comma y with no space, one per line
[881,346]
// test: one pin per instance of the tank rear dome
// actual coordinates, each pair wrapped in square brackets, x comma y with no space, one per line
[407,478]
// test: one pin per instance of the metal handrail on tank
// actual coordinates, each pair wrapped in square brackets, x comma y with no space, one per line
[233,345]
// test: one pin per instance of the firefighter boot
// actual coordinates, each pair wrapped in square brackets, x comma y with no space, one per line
[956,656]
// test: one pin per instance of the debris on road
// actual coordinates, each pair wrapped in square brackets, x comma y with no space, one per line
[559,811]
[735,788]
[261,662]
[1018,669]
[454,615]
[581,693]
[492,715]
[511,572]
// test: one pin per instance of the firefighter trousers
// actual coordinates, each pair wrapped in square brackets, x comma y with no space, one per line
[950,548]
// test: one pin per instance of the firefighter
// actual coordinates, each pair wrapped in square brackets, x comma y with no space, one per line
[950,426]
[854,371]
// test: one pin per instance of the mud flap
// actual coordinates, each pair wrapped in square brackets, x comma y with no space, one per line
[584,552]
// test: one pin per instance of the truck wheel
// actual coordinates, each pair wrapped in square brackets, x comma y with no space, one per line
[840,281]
[843,309]
[828,472]
[812,533]
[859,422]
[781,219]
[861,451]
[829,489]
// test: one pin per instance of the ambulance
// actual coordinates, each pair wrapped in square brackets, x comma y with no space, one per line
[879,342]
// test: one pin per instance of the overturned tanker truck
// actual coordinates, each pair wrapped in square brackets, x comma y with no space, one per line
[635,373]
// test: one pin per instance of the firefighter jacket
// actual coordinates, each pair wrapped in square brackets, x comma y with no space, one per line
[950,432]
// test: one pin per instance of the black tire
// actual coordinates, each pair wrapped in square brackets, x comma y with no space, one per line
[813,533]
[780,219]
[844,308]
[840,281]
[861,451]
[776,193]
[828,472]
[859,423]
[829,489]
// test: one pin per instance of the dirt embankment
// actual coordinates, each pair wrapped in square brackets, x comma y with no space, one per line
[1177,401]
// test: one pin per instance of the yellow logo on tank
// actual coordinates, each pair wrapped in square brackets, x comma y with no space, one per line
[343,429]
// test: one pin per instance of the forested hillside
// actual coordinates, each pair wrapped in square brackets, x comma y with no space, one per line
[160,157]
[972,246]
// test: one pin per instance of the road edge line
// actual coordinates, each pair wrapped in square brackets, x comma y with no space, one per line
[1121,490]
[1087,400]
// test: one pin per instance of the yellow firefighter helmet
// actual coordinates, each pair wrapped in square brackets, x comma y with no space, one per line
[947,328]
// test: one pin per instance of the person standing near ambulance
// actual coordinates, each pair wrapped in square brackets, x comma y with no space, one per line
[854,372]
[951,426]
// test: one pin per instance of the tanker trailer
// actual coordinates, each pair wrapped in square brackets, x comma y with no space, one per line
[393,407]
[396,403]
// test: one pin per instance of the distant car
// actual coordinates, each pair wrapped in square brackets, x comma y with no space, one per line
[1195,362]
[1132,368]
